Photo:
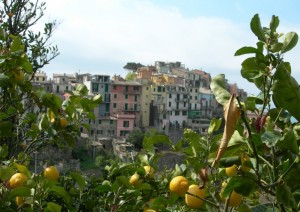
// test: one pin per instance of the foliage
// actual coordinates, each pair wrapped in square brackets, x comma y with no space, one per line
[136,137]
[132,66]
[130,76]
[18,17]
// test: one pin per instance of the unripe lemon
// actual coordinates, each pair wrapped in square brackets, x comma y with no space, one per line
[19,200]
[51,173]
[179,185]
[17,180]
[149,171]
[192,201]
[135,180]
[231,171]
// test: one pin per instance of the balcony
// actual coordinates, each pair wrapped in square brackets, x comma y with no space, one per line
[132,92]
[181,100]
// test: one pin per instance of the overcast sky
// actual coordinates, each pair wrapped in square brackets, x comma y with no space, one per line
[101,36]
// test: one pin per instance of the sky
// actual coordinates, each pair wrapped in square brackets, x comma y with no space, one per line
[101,36]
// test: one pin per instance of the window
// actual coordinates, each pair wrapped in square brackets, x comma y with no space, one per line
[159,89]
[170,95]
[147,88]
[111,121]
[184,104]
[99,121]
[115,105]
[115,95]
[195,97]
[125,123]
[196,90]
[67,87]
[135,88]
[184,112]
[99,132]
[123,133]
[135,107]
[170,104]
[135,98]
[126,96]
[195,106]
[177,113]
[191,90]
[177,105]
[126,106]
[95,87]
[115,87]
[57,89]
[126,88]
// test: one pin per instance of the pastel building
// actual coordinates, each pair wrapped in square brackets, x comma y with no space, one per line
[125,106]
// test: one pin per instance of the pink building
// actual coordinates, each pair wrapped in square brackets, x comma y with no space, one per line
[126,106]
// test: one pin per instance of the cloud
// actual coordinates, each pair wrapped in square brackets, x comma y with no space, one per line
[106,34]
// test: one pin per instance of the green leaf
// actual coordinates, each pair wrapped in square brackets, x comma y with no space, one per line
[97,99]
[286,91]
[16,44]
[23,169]
[3,151]
[52,207]
[63,193]
[240,184]
[122,180]
[274,23]
[256,28]
[251,70]
[290,41]
[245,50]
[79,179]
[6,172]
[288,141]
[284,195]
[270,138]
[214,125]
[20,191]
[219,88]
[6,128]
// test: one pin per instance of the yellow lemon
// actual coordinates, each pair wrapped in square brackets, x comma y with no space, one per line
[179,185]
[17,180]
[19,200]
[192,201]
[149,171]
[231,171]
[135,180]
[51,173]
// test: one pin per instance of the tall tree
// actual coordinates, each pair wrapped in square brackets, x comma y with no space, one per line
[133,66]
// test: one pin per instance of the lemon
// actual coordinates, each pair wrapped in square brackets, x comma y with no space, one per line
[231,171]
[179,185]
[63,123]
[135,180]
[51,173]
[149,171]
[192,201]
[245,167]
[17,180]
[19,200]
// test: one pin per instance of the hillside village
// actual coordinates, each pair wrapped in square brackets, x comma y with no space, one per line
[167,96]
